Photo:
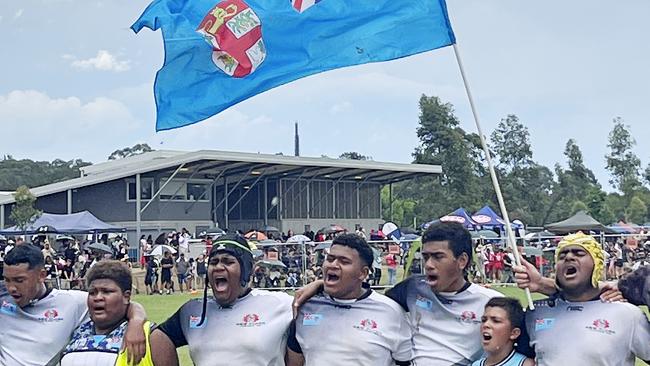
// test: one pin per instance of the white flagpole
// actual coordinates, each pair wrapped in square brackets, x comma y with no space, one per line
[493,175]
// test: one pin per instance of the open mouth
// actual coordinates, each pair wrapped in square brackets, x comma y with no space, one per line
[570,272]
[98,309]
[331,278]
[221,284]
[431,279]
[486,336]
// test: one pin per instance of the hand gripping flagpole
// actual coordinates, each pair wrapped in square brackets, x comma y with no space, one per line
[493,175]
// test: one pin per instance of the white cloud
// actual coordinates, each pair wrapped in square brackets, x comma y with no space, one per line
[341,108]
[63,127]
[104,61]
[18,13]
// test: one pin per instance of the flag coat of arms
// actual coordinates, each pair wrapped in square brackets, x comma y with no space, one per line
[221,52]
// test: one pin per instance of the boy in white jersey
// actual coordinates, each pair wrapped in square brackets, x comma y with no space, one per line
[348,324]
[35,316]
[574,327]
[501,326]
[443,307]
[237,326]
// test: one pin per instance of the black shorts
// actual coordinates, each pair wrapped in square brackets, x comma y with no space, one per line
[166,277]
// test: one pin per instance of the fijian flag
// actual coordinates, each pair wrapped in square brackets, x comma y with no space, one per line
[302,5]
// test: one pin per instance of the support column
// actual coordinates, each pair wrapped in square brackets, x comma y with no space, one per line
[2,216]
[358,205]
[390,201]
[266,202]
[138,204]
[70,203]
[226,209]
[334,199]
[308,199]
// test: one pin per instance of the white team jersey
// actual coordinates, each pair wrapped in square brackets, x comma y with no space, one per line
[371,331]
[590,333]
[446,326]
[252,332]
[33,336]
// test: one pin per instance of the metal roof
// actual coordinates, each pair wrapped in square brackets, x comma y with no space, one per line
[209,164]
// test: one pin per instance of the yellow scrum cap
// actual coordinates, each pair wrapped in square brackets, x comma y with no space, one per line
[591,246]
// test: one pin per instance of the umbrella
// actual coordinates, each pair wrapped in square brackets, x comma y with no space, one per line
[46,229]
[324,245]
[271,263]
[532,251]
[255,235]
[299,239]
[267,243]
[215,230]
[257,253]
[487,234]
[63,237]
[268,229]
[409,237]
[333,228]
[100,247]
[161,249]
[2,238]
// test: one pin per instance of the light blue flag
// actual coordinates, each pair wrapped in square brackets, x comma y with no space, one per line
[218,53]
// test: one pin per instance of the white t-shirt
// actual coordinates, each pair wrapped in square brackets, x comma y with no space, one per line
[445,326]
[252,332]
[372,330]
[588,333]
[34,335]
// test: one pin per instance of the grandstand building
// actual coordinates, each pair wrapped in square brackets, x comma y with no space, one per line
[167,190]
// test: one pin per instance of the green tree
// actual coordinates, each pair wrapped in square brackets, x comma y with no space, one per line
[14,173]
[622,163]
[579,206]
[353,155]
[636,211]
[443,142]
[136,149]
[510,141]
[24,213]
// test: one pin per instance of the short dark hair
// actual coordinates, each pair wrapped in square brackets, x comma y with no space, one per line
[25,253]
[512,307]
[633,285]
[357,243]
[459,239]
[111,270]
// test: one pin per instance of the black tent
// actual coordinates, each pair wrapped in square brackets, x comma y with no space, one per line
[581,221]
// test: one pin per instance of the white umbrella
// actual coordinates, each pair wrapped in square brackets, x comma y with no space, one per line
[299,239]
[161,249]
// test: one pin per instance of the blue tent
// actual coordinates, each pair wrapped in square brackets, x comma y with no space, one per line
[460,216]
[486,217]
[77,223]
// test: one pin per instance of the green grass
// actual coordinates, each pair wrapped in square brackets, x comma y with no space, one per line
[160,307]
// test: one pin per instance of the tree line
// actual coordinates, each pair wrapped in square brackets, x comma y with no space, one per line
[534,193]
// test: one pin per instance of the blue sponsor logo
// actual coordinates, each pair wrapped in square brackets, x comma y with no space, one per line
[195,320]
[8,308]
[544,324]
[311,319]
[423,303]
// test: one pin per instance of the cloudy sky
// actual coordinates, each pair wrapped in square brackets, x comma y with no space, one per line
[76,82]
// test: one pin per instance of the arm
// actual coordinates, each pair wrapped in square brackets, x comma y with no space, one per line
[305,293]
[134,339]
[527,362]
[163,352]
[527,276]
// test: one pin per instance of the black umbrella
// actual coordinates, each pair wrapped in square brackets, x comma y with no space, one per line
[46,229]
[268,229]
[100,247]
[407,230]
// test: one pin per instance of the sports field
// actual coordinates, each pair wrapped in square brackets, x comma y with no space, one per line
[159,307]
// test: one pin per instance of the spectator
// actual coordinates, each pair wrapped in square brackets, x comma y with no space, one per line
[167,263]
[182,267]
[201,271]
[151,275]
[391,263]
[48,251]
[184,241]
[191,274]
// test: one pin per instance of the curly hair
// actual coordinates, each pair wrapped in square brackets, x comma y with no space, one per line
[635,286]
[111,270]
